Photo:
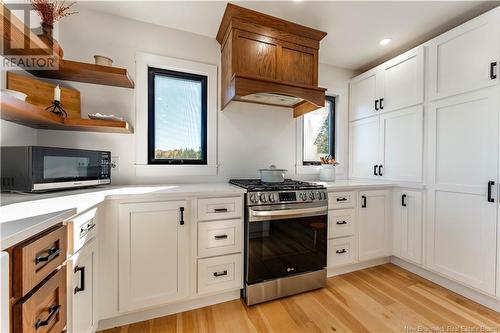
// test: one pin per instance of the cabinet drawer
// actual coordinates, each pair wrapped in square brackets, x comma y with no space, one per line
[341,251]
[219,208]
[45,310]
[219,237]
[340,200]
[341,223]
[81,230]
[36,258]
[219,273]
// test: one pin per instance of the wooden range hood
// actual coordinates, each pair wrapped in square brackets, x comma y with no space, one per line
[270,61]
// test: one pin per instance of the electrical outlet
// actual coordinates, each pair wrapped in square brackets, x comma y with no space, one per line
[115,164]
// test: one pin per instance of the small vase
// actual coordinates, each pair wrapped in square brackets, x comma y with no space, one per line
[46,37]
[327,173]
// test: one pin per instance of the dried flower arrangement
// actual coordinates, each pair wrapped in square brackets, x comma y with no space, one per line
[51,11]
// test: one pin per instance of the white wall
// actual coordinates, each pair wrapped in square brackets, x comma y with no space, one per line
[249,136]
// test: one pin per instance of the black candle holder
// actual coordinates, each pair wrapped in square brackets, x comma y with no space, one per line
[57,109]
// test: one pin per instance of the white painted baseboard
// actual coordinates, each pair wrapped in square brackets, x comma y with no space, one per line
[167,310]
[488,301]
[356,267]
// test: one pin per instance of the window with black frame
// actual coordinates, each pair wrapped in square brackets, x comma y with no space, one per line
[177,117]
[319,133]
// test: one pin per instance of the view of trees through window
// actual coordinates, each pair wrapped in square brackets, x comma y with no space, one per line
[318,132]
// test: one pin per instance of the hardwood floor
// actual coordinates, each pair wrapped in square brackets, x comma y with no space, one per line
[385,298]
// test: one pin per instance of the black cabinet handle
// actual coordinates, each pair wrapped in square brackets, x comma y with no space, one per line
[217,274]
[82,278]
[492,70]
[220,210]
[363,201]
[218,237]
[375,173]
[376,105]
[341,199]
[403,200]
[341,251]
[341,222]
[381,104]
[53,252]
[380,170]
[181,209]
[53,310]
[490,197]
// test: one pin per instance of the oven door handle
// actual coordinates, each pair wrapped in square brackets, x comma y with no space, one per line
[288,212]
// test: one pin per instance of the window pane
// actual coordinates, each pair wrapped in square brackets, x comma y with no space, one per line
[317,133]
[178,118]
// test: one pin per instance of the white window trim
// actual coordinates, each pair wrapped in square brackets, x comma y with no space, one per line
[142,168]
[341,107]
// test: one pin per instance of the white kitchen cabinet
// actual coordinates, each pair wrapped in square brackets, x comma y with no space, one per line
[402,83]
[407,225]
[364,147]
[401,144]
[463,159]
[82,290]
[465,58]
[364,94]
[153,252]
[373,224]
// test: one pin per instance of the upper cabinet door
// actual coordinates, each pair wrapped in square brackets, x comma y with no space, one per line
[465,58]
[364,95]
[364,147]
[401,144]
[402,81]
[153,252]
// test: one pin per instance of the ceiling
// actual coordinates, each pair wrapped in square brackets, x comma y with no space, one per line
[354,28]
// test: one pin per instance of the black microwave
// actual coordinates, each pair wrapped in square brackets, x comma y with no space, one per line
[39,169]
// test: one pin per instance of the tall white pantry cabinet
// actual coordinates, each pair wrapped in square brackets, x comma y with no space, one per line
[441,98]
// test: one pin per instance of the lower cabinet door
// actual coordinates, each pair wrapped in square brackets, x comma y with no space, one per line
[373,224]
[44,311]
[82,291]
[220,273]
[341,251]
[153,254]
[407,226]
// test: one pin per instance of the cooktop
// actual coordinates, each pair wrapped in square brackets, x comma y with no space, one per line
[258,185]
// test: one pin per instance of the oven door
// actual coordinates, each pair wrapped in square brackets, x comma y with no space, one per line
[282,240]
[60,167]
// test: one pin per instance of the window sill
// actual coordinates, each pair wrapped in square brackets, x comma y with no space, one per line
[314,169]
[147,170]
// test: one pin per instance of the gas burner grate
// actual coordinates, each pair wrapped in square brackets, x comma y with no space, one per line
[258,185]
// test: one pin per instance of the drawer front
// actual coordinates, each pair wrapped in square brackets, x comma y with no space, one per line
[341,223]
[219,273]
[341,251]
[36,258]
[219,208]
[45,310]
[219,237]
[81,230]
[341,200]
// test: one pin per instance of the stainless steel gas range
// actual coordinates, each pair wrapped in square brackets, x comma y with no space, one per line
[285,238]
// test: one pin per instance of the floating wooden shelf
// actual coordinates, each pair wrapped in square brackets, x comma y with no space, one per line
[15,110]
[15,32]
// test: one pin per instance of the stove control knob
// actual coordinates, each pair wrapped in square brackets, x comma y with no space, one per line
[319,195]
[253,198]
[272,197]
[311,195]
[303,196]
[263,197]
[324,195]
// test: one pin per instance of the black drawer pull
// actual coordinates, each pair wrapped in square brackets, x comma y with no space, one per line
[82,278]
[217,274]
[341,222]
[363,203]
[341,251]
[341,199]
[181,209]
[85,230]
[220,210]
[53,310]
[403,200]
[493,76]
[220,237]
[490,197]
[53,252]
